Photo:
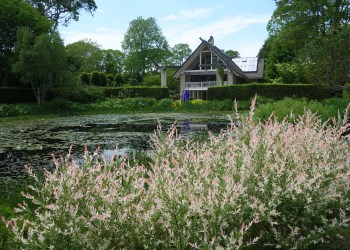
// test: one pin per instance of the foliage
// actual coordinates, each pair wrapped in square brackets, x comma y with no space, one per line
[272,184]
[110,80]
[316,33]
[41,60]
[112,62]
[84,56]
[63,11]
[119,80]
[274,91]
[325,109]
[179,53]
[103,78]
[78,94]
[84,78]
[143,44]
[290,73]
[15,14]
[232,53]
[95,78]
[151,80]
[328,58]
[131,91]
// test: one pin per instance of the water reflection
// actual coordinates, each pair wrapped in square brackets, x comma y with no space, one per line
[32,143]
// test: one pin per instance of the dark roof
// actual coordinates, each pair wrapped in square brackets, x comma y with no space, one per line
[231,65]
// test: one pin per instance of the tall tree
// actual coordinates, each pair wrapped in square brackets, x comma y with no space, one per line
[143,44]
[179,53]
[306,28]
[41,60]
[112,62]
[84,56]
[63,11]
[13,15]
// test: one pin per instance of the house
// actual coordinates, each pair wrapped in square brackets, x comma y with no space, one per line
[208,64]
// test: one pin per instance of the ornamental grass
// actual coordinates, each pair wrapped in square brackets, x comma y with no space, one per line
[271,184]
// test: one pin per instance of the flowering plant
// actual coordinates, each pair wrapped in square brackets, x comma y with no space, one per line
[273,184]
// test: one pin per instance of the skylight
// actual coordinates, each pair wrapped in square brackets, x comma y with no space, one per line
[246,64]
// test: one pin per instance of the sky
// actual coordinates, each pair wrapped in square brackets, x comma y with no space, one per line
[235,24]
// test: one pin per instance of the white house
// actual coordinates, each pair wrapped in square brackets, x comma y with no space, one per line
[200,70]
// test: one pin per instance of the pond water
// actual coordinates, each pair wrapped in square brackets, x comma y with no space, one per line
[32,143]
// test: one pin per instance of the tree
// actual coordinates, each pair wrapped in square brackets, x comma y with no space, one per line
[41,60]
[84,56]
[63,11]
[232,53]
[143,44]
[112,61]
[308,28]
[179,53]
[13,15]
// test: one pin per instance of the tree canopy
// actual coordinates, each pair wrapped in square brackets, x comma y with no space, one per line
[13,15]
[179,53]
[40,60]
[313,34]
[143,44]
[63,11]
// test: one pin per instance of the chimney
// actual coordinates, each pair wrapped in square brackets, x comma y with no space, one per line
[211,40]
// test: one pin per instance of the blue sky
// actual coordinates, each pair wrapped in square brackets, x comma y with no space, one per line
[235,24]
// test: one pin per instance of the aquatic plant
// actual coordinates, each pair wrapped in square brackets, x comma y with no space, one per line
[273,184]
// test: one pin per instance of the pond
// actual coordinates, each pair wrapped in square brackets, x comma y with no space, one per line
[32,142]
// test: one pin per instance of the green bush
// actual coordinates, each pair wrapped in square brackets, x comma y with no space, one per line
[110,79]
[326,108]
[84,78]
[274,91]
[17,95]
[119,80]
[164,105]
[103,78]
[95,78]
[151,80]
[346,91]
[131,92]
[80,94]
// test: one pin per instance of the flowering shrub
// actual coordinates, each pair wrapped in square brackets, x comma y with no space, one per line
[272,184]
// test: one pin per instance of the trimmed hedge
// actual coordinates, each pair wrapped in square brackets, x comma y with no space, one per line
[243,92]
[17,95]
[131,92]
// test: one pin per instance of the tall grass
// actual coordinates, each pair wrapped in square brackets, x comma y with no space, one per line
[264,184]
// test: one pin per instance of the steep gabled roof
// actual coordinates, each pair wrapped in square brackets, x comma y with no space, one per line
[230,64]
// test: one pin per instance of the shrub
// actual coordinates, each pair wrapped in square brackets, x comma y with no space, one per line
[135,91]
[103,79]
[95,78]
[80,94]
[151,80]
[275,91]
[119,80]
[84,78]
[110,80]
[272,184]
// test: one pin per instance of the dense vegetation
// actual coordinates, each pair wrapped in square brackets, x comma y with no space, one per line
[260,184]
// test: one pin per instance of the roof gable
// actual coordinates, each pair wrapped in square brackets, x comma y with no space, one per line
[242,71]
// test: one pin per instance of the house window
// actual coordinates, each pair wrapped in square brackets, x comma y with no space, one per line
[206,60]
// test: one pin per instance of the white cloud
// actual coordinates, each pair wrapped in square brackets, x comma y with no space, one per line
[218,29]
[107,38]
[189,14]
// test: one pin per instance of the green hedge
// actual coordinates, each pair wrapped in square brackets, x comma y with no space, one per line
[275,91]
[17,95]
[131,92]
